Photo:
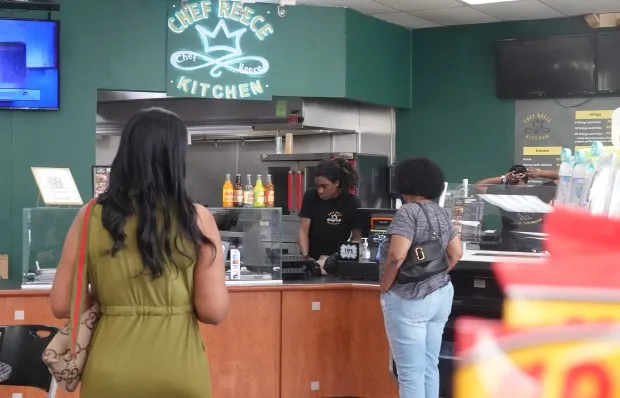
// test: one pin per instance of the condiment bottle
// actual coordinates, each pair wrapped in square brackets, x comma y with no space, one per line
[248,193]
[227,193]
[270,192]
[259,192]
[238,192]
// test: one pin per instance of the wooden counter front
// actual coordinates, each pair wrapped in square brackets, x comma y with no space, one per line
[278,341]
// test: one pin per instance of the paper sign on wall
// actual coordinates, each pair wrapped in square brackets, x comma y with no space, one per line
[57,186]
[4,266]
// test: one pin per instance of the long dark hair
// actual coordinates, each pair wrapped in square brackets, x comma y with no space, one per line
[148,179]
[338,169]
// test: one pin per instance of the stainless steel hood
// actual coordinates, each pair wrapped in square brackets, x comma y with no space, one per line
[209,119]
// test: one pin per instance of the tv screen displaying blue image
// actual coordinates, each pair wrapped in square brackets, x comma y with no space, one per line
[29,58]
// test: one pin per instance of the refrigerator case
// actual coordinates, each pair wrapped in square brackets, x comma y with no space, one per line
[293,174]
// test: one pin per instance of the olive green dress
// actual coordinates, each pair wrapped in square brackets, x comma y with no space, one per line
[148,343]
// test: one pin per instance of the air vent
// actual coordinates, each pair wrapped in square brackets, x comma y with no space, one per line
[599,21]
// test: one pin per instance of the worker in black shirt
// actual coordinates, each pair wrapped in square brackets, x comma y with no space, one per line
[328,215]
[515,182]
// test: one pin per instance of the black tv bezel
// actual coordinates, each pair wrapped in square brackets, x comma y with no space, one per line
[614,92]
[57,39]
[546,95]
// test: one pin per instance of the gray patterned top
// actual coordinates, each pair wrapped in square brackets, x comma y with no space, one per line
[410,222]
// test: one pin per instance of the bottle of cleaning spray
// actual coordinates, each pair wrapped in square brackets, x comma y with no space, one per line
[596,150]
[578,185]
[566,177]
[583,171]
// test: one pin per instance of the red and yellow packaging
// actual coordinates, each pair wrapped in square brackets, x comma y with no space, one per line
[576,361]
[573,290]
[575,233]
[560,332]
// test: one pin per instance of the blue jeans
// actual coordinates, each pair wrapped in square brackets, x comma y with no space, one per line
[414,329]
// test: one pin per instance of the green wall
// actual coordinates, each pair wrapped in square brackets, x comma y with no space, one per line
[119,44]
[306,52]
[456,118]
[344,54]
[116,44]
[379,60]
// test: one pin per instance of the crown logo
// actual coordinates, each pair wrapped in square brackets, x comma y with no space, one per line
[538,127]
[233,49]
[220,50]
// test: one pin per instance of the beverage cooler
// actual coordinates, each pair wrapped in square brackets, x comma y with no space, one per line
[293,174]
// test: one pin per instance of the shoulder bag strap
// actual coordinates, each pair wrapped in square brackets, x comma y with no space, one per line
[80,277]
[428,220]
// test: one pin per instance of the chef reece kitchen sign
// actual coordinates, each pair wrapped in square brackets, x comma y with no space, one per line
[216,49]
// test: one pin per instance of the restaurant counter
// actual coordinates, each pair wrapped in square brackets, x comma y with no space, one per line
[318,337]
[278,340]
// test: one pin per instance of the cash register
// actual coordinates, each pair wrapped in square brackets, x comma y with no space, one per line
[375,223]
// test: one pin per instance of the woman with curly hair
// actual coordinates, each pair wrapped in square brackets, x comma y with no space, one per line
[415,311]
[328,214]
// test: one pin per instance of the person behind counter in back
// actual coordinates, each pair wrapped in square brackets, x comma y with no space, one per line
[328,215]
[515,182]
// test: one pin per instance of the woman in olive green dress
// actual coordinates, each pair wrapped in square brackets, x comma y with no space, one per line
[156,267]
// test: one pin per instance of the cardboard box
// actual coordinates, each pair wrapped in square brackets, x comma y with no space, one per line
[4,266]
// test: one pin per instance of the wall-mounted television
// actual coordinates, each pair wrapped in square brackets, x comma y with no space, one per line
[560,66]
[608,62]
[29,64]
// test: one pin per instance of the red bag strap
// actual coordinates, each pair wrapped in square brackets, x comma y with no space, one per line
[80,280]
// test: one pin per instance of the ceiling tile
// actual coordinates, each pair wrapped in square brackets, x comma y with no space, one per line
[324,3]
[363,6]
[418,5]
[519,10]
[369,7]
[406,20]
[580,7]
[456,16]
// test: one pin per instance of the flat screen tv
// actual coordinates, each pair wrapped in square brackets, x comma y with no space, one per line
[29,64]
[608,62]
[561,66]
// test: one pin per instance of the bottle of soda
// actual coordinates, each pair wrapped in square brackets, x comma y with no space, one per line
[238,192]
[270,192]
[248,193]
[227,192]
[259,192]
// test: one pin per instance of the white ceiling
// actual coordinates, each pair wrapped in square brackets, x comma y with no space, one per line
[417,14]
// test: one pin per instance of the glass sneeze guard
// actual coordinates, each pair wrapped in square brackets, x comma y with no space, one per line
[43,235]
[256,233]
[501,218]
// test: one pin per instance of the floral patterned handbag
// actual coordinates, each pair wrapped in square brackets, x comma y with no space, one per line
[66,354]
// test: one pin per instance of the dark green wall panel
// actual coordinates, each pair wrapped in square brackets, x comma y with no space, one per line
[114,44]
[306,52]
[456,118]
[378,61]
[6,174]
[314,61]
